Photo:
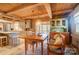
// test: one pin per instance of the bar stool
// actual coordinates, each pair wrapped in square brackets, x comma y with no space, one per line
[3,41]
[14,41]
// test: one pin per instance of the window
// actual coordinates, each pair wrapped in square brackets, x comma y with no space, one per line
[77,27]
[77,23]
[43,28]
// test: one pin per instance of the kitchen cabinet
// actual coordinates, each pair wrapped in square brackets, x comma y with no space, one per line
[59,25]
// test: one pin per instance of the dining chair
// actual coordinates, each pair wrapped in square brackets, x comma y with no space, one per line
[57,48]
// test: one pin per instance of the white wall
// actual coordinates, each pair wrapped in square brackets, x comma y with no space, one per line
[73,23]
[75,35]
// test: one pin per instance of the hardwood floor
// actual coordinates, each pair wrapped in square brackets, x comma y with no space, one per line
[19,50]
[38,50]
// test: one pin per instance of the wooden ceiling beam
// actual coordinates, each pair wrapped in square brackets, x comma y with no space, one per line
[62,11]
[48,9]
[19,7]
[75,5]
[28,7]
[8,17]
[39,16]
[54,13]
[42,16]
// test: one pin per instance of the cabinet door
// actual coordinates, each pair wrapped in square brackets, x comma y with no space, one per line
[58,23]
[64,22]
[53,23]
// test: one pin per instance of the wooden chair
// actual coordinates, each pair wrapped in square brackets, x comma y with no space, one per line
[31,44]
[57,48]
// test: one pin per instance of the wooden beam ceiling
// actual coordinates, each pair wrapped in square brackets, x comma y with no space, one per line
[58,13]
[28,7]
[62,11]
[34,17]
[6,7]
[20,7]
[8,17]
[48,8]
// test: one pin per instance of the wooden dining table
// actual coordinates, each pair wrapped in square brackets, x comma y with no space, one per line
[34,38]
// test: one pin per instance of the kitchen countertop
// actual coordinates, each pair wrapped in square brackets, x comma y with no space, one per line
[9,32]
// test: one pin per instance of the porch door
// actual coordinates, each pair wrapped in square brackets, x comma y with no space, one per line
[43,28]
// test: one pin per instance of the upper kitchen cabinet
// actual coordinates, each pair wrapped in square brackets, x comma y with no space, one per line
[59,25]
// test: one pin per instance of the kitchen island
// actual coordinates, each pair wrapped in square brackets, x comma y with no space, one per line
[11,37]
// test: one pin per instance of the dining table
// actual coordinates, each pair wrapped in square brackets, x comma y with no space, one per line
[34,38]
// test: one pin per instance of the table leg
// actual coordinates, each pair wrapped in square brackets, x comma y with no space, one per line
[33,48]
[36,44]
[48,49]
[42,48]
[25,47]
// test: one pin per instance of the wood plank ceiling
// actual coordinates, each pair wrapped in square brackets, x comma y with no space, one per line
[22,11]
